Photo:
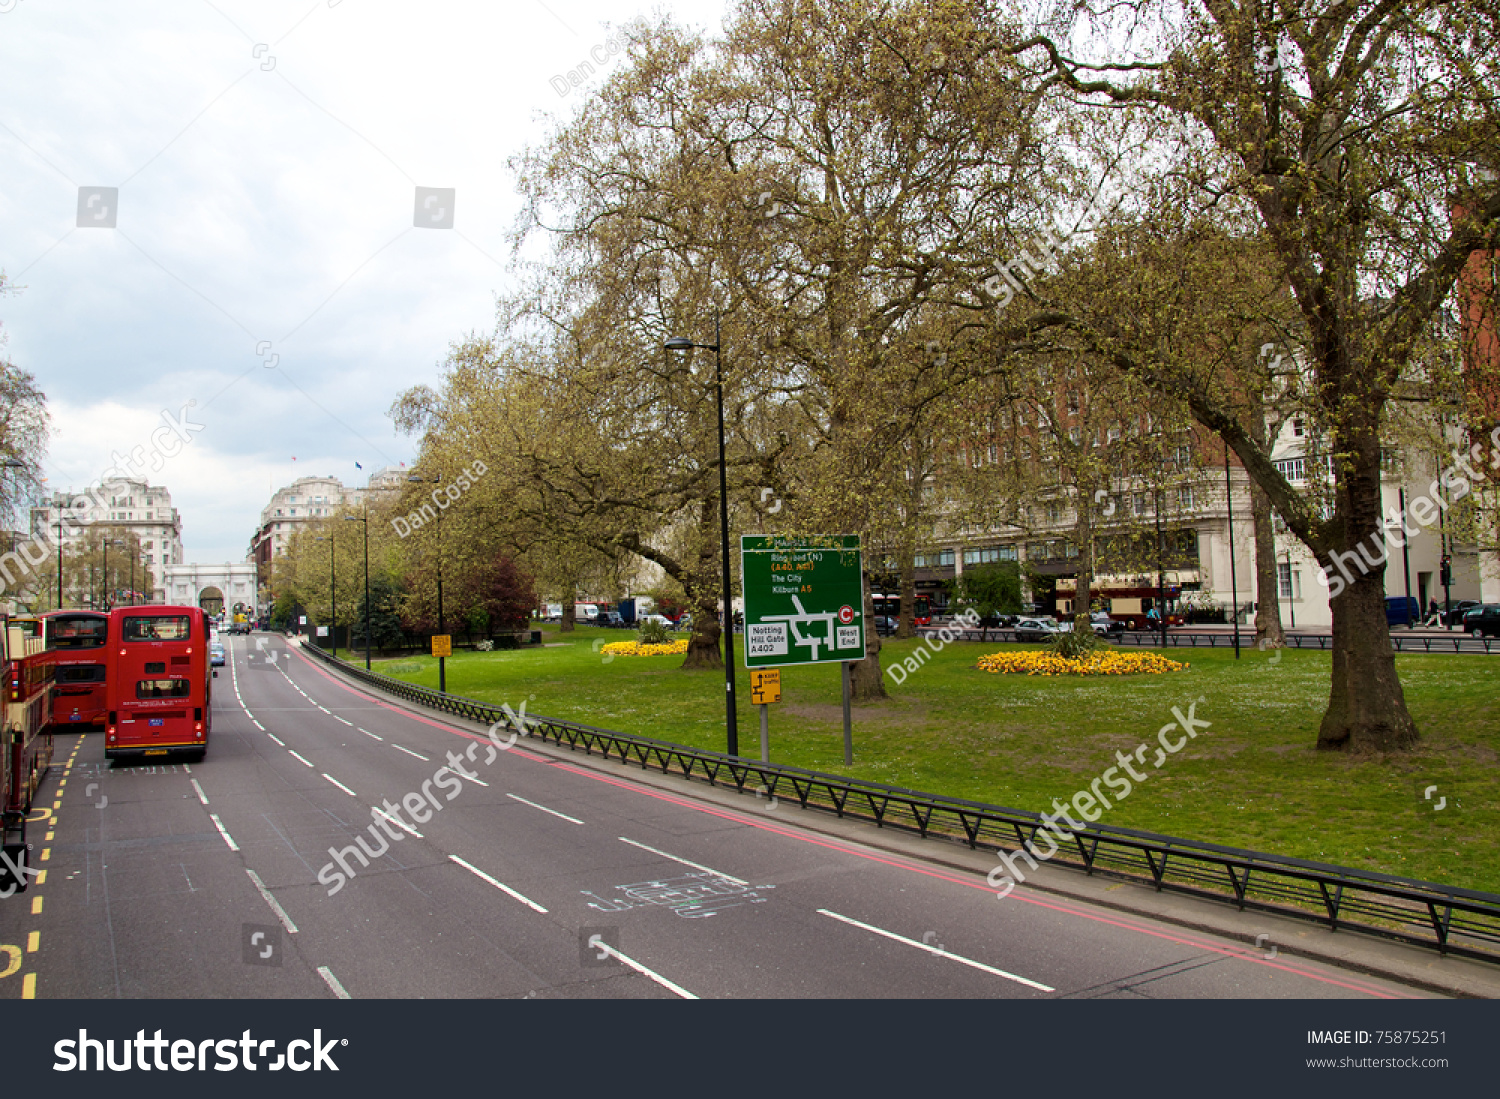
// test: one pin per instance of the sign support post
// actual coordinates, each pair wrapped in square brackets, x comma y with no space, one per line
[848,730]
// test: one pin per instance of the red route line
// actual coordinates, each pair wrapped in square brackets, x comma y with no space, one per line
[793,834]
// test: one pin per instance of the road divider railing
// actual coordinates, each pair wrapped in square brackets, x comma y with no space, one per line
[1456,921]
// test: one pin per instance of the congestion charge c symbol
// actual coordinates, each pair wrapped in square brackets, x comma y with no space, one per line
[15,960]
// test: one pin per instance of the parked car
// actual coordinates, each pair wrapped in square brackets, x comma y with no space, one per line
[660,619]
[1402,610]
[1483,621]
[1454,615]
[885,625]
[1040,628]
[613,619]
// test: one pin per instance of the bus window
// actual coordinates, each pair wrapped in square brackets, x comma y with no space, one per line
[163,688]
[158,627]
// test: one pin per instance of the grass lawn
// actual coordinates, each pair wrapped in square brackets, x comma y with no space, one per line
[1251,779]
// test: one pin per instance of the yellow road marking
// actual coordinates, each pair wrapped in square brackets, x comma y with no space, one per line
[33,941]
[46,853]
[28,987]
[36,906]
[41,877]
[51,834]
[14,964]
[42,809]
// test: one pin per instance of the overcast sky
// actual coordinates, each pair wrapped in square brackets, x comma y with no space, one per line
[267,155]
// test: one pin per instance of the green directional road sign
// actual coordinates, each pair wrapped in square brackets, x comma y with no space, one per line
[804,599]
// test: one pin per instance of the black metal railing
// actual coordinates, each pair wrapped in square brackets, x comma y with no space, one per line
[1178,638]
[1455,921]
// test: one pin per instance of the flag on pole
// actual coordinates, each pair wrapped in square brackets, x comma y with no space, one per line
[358,466]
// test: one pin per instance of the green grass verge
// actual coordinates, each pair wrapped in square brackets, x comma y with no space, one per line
[1252,779]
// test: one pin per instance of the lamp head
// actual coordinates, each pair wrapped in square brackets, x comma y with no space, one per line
[680,343]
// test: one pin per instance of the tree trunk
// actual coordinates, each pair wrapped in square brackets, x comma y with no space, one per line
[1366,705]
[702,587]
[569,617]
[906,625]
[1268,631]
[866,677]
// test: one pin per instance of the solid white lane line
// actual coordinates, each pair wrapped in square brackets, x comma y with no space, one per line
[497,884]
[257,724]
[299,758]
[670,986]
[544,809]
[686,862]
[397,821]
[219,824]
[339,784]
[201,795]
[333,983]
[409,752]
[286,921]
[345,720]
[280,743]
[938,951]
[370,734]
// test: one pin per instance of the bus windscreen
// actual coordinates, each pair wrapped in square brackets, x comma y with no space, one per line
[156,627]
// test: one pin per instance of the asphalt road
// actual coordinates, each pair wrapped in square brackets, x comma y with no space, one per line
[532,877]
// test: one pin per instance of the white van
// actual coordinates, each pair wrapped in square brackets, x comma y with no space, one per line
[585,611]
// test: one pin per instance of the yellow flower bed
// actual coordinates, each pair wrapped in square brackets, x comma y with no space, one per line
[635,648]
[1101,662]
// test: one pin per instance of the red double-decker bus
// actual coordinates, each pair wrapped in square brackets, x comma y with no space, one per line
[25,742]
[159,683]
[75,643]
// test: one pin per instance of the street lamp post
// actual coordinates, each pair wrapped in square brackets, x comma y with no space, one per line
[1291,590]
[365,519]
[682,343]
[442,626]
[59,560]
[333,593]
[108,603]
[1161,575]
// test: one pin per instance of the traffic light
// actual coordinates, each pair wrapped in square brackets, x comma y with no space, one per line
[1447,571]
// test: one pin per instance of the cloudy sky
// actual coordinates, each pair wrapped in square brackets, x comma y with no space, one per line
[266,156]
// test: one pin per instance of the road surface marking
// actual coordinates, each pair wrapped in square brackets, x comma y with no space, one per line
[370,734]
[325,709]
[199,790]
[599,944]
[280,743]
[219,824]
[340,785]
[33,942]
[260,886]
[686,862]
[939,951]
[409,752]
[345,720]
[397,821]
[497,884]
[28,987]
[333,983]
[300,759]
[544,809]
